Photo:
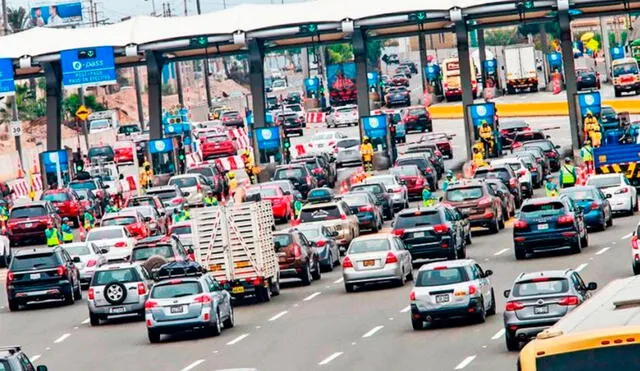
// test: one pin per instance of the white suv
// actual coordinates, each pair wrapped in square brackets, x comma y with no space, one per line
[622,196]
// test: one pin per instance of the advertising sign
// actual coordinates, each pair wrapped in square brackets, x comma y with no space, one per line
[7,83]
[88,67]
[341,79]
[56,15]
[268,138]
[589,102]
[160,145]
[375,126]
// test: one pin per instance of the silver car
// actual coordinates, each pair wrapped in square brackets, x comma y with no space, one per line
[91,258]
[323,241]
[345,115]
[540,299]
[193,186]
[171,197]
[348,152]
[118,289]
[396,189]
[451,289]
[376,258]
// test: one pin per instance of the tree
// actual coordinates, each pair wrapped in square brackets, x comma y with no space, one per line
[552,28]
[499,37]
[339,53]
[374,51]
[17,19]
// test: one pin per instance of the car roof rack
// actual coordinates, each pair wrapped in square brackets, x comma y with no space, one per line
[179,269]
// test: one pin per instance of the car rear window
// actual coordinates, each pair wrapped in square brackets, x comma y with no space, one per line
[289,173]
[529,136]
[56,197]
[348,143]
[604,182]
[369,245]
[206,171]
[264,192]
[542,286]
[310,233]
[580,194]
[164,195]
[373,188]
[183,229]
[142,201]
[83,185]
[543,208]
[345,110]
[386,180]
[184,182]
[78,250]
[317,214]
[128,129]
[417,111]
[104,234]
[123,275]
[124,220]
[35,261]
[514,166]
[27,212]
[176,290]
[545,146]
[282,239]
[405,171]
[417,219]
[145,252]
[354,199]
[419,162]
[441,277]
[502,174]
[100,151]
[464,194]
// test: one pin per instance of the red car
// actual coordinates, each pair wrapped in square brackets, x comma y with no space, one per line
[132,221]
[67,202]
[124,152]
[442,142]
[281,202]
[412,178]
[218,145]
[400,80]
[29,221]
[153,201]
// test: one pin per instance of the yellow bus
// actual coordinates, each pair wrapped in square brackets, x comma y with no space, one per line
[601,334]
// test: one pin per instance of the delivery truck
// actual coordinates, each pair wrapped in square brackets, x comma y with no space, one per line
[520,68]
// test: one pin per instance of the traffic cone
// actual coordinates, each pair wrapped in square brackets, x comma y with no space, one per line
[82,232]
[344,188]
[20,171]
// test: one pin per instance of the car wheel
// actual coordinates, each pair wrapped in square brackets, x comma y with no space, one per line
[153,336]
[481,316]
[635,207]
[492,309]
[264,294]
[584,241]
[275,287]
[317,274]
[216,329]
[115,293]
[94,319]
[68,298]
[576,247]
[402,280]
[230,321]
[306,276]
[512,342]
[501,222]
[610,221]
[331,260]
[467,239]
[462,253]
[77,292]
[520,254]
[417,324]
[13,306]
[494,227]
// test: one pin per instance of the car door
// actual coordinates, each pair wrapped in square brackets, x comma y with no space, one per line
[483,282]
[307,248]
[578,215]
[73,270]
[101,259]
[216,294]
[581,288]
[404,255]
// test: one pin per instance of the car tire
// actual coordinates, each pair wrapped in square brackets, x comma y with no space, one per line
[116,301]
[520,255]
[501,222]
[306,276]
[635,207]
[153,336]
[610,221]
[13,306]
[275,287]
[481,316]
[576,248]
[216,329]
[68,298]
[492,309]
[402,280]
[94,319]
[462,253]
[584,241]
[467,239]
[329,267]
[494,228]
[317,272]
[511,341]
[230,321]
[77,292]
[417,324]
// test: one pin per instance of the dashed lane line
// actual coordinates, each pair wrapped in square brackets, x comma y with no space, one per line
[312,296]
[498,334]
[339,280]
[372,331]
[330,358]
[581,267]
[278,315]
[603,250]
[501,252]
[35,358]
[238,339]
[405,309]
[86,321]
[62,338]
[626,236]
[465,362]
[193,365]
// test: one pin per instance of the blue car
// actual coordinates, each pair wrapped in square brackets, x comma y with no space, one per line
[364,205]
[596,206]
[549,224]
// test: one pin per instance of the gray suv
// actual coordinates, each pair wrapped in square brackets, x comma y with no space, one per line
[118,289]
[538,300]
[13,359]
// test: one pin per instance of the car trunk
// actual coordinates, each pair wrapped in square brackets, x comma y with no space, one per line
[368,261]
[131,289]
[38,276]
[435,296]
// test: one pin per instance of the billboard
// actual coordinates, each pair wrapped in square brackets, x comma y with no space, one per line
[341,79]
[55,15]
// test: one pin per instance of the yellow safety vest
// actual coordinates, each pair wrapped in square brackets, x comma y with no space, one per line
[52,237]
[568,174]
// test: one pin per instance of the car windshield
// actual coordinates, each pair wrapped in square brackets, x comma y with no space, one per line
[84,185]
[541,286]
[347,143]
[501,174]
[165,195]
[529,136]
[545,146]
[279,84]
[128,129]
[368,245]
[373,188]
[145,252]
[205,171]
[345,110]
[122,220]
[184,182]
[541,209]
[386,180]
[405,171]
[419,162]
[513,125]
[35,261]
[464,194]
[216,138]
[98,124]
[100,151]
[441,276]
[317,214]
[580,194]
[176,289]
[604,181]
[417,112]
[78,249]
[282,239]
[263,191]
[310,233]
[146,210]
[56,197]
[27,212]
[399,76]
[285,185]
[140,201]
[104,234]
[355,199]
[181,229]
[125,275]
[294,107]
[608,111]
[417,219]
[323,136]
[295,172]
[625,69]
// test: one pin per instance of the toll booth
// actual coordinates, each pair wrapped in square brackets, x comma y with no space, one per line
[269,140]
[587,102]
[479,113]
[163,156]
[434,78]
[57,168]
[376,128]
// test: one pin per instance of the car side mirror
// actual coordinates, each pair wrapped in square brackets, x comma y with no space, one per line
[506,293]
[334,234]
[592,286]
[185,194]
[488,273]
[286,193]
[76,259]
[190,250]
[104,251]
[147,219]
[42,368]
[106,186]
[557,147]
[609,195]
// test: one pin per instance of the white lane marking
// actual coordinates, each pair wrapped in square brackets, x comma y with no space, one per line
[339,280]
[35,358]
[501,252]
[62,338]
[498,334]
[193,365]
[626,236]
[372,331]
[330,358]
[278,315]
[581,267]
[465,362]
[405,309]
[312,296]
[85,321]
[603,250]
[238,339]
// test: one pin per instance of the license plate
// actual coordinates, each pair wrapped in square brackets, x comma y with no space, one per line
[237,290]
[467,210]
[368,263]
[543,226]
[177,309]
[418,234]
[444,298]
[28,225]
[34,276]
[116,310]
[541,310]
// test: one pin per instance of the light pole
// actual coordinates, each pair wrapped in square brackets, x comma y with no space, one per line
[207,84]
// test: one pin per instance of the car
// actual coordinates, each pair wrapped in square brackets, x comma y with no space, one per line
[538,154]
[324,171]
[382,195]
[128,130]
[186,301]
[218,181]
[325,141]
[530,163]
[609,118]
[171,197]
[95,185]
[118,289]
[404,70]
[323,241]
[598,213]
[506,174]
[28,221]
[280,202]
[103,153]
[476,201]
[299,110]
[298,175]
[131,219]
[399,79]
[145,200]
[549,224]
[296,256]
[345,115]
[451,289]
[413,179]
[395,187]
[622,196]
[116,239]
[509,129]
[430,151]
[537,300]
[45,273]
[417,119]
[320,195]
[507,201]
[91,258]
[522,137]
[550,150]
[12,358]
[89,202]
[435,232]
[214,145]
[374,259]
[290,123]
[424,164]
[184,232]
[348,152]
[521,171]
[194,187]
[279,85]
[442,142]
[335,215]
[365,206]
[124,152]
[169,248]
[288,189]
[586,78]
[397,96]
[66,203]
[294,98]
[233,119]
[156,221]
[393,59]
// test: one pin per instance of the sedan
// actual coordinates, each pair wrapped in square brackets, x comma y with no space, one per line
[400,80]
[382,196]
[66,202]
[323,241]
[398,96]
[348,152]
[622,196]
[193,186]
[442,142]
[115,239]
[374,259]
[396,188]
[597,210]
[132,220]
[233,119]
[91,258]
[363,205]
[280,202]
[346,115]
[156,221]
[413,179]
[587,79]
[325,141]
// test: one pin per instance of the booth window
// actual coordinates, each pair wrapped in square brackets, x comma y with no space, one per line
[163,163]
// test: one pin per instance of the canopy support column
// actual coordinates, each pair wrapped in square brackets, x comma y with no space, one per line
[482,55]
[155,62]
[422,43]
[362,82]
[464,59]
[569,67]
[53,78]
[256,79]
[178,70]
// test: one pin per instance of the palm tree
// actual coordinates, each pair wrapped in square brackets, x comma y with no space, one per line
[17,18]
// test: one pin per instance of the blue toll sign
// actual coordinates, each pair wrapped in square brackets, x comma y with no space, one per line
[7,83]
[50,160]
[490,67]
[590,102]
[373,78]
[88,67]
[617,52]
[375,126]
[160,145]
[268,138]
[482,112]
[555,60]
[312,85]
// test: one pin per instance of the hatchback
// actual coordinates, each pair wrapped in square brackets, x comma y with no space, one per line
[477,201]
[622,196]
[348,152]
[323,241]
[413,179]
[363,204]
[194,187]
[597,210]
[550,150]
[396,188]
[424,164]
[299,176]
[296,256]
[506,175]
[91,258]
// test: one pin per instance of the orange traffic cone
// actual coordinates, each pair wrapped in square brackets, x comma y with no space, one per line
[82,233]
[344,188]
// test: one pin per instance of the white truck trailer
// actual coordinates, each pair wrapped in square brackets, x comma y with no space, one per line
[520,68]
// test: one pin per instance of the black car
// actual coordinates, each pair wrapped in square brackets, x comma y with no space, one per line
[609,118]
[101,153]
[587,79]
[367,208]
[431,151]
[550,151]
[321,169]
[382,196]
[294,98]
[212,173]
[509,129]
[508,177]
[435,232]
[425,166]
[42,274]
[299,176]
[291,123]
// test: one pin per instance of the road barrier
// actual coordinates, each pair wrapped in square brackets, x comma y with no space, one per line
[315,117]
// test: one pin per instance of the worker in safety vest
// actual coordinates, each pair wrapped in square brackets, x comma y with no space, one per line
[232,182]
[568,175]
[67,232]
[366,151]
[52,235]
[427,197]
[550,188]
[450,179]
[486,136]
[586,152]
[592,130]
[478,158]
[146,176]
[4,213]
[111,208]
[297,207]
[210,199]
[89,220]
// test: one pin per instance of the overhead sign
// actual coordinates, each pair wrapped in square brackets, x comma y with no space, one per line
[160,145]
[589,102]
[88,67]
[375,126]
[373,78]
[58,15]
[617,52]
[7,83]
[83,113]
[268,138]
[16,128]
[51,159]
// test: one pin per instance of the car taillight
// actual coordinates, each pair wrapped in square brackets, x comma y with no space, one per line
[441,228]
[309,180]
[484,202]
[150,304]
[92,263]
[202,299]
[142,289]
[595,205]
[332,143]
[412,296]
[120,244]
[92,294]
[438,153]
[398,232]
[297,250]
[343,217]
[520,224]
[622,190]
[420,181]
[551,154]
[198,188]
[428,170]
[512,183]
[346,263]
[10,277]
[504,131]
[365,209]
[61,270]
[317,170]
[565,219]
[391,258]
[472,290]
[569,300]
[513,305]
[177,201]
[634,242]
[321,243]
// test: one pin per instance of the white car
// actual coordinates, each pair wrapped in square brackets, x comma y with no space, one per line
[298,109]
[398,191]
[325,142]
[521,171]
[345,115]
[116,239]
[279,85]
[193,186]
[348,152]
[622,196]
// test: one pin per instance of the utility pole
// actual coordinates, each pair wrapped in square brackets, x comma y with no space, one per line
[205,62]
[84,122]
[5,18]
[138,82]
[18,139]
